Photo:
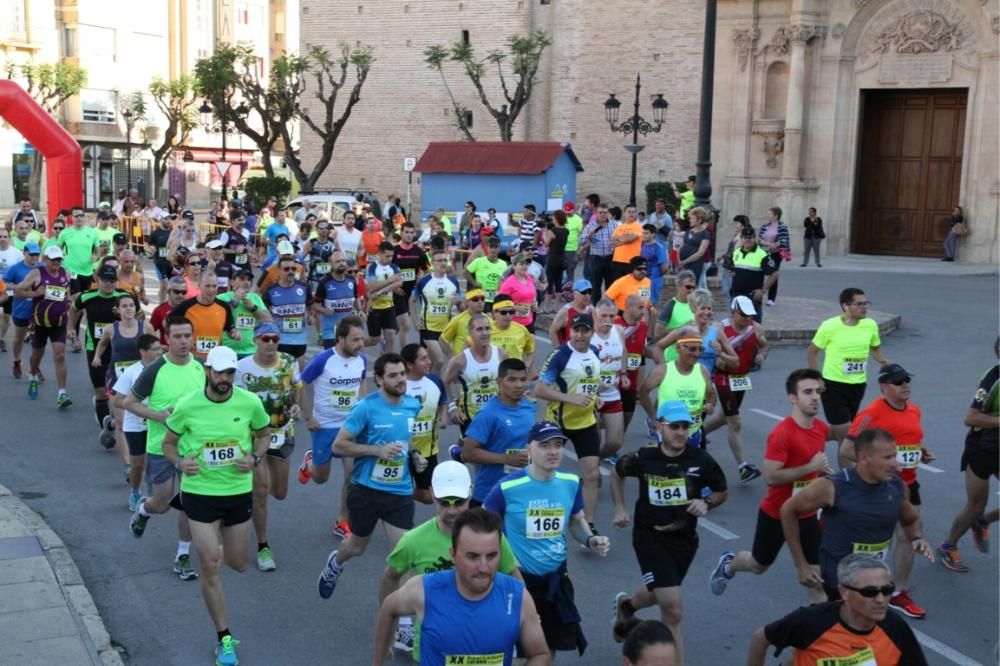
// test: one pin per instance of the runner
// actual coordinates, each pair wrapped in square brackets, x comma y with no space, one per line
[634,281]
[248,310]
[134,427]
[427,547]
[755,271]
[336,295]
[131,279]
[48,288]
[453,606]
[861,506]
[474,374]
[273,273]
[979,462]
[455,335]
[609,341]
[216,438]
[155,393]
[382,279]
[748,341]
[676,312]
[846,341]
[335,380]
[494,439]
[516,340]
[897,415]
[540,506]
[348,237]
[570,381]
[677,485]
[176,293]
[487,272]
[79,245]
[795,455]
[432,300]
[274,378]
[433,416]
[20,306]
[635,329]
[218,264]
[412,262]
[210,317]
[101,307]
[648,643]
[236,242]
[858,630]
[157,248]
[376,434]
[286,302]
[560,328]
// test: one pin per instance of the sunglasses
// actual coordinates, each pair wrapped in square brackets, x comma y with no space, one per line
[640,268]
[585,292]
[872,592]
[478,299]
[688,287]
[79,215]
[194,263]
[678,425]
[288,269]
[504,312]
[451,501]
[178,292]
[58,228]
[270,338]
[692,349]
[901,382]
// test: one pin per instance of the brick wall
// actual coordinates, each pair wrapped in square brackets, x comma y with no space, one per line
[404,104]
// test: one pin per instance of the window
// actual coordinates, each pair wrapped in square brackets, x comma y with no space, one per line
[70,49]
[465,36]
[468,119]
[98,106]
[17,16]
[98,43]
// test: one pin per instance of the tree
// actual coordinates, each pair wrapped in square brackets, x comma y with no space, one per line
[50,85]
[176,102]
[520,60]
[231,76]
[324,76]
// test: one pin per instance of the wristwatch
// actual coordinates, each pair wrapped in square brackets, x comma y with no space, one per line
[256,459]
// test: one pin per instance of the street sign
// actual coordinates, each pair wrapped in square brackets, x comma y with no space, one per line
[409,163]
[223,167]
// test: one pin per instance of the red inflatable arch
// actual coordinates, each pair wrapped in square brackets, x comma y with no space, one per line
[63,165]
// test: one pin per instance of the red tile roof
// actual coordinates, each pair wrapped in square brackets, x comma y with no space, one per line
[493,157]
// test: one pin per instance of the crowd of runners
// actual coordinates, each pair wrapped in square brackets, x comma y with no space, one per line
[205,389]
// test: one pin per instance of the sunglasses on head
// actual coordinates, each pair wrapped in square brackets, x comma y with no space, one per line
[872,592]
[451,501]
[270,338]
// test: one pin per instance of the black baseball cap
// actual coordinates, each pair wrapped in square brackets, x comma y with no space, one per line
[187,214]
[109,273]
[119,239]
[893,372]
[747,232]
[583,320]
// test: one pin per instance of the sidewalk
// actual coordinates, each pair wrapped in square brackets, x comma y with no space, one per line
[46,613]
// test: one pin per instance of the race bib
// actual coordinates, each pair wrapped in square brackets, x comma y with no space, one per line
[799,486]
[507,469]
[634,361]
[121,367]
[474,659]
[409,274]
[350,254]
[421,426]
[220,454]
[739,382]
[589,386]
[440,309]
[372,258]
[664,491]
[607,378]
[644,293]
[342,399]
[240,259]
[291,324]
[277,438]
[490,294]
[876,550]
[480,398]
[55,292]
[855,366]
[245,321]
[865,657]
[544,523]
[388,471]
[99,330]
[322,268]
[908,455]
[162,253]
[204,344]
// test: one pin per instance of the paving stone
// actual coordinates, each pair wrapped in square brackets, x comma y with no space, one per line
[25,570]
[60,650]
[37,624]
[19,597]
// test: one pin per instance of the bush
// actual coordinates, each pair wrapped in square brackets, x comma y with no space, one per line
[663,190]
[261,188]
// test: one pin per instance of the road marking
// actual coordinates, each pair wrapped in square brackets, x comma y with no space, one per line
[945,651]
[543,338]
[717,529]
[767,414]
[930,468]
[570,454]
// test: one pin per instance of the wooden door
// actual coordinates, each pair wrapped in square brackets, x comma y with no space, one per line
[909,171]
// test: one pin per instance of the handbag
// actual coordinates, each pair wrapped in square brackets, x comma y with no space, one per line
[786,254]
[959,229]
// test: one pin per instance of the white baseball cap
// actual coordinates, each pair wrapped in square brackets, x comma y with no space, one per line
[744,305]
[221,359]
[53,252]
[285,248]
[450,479]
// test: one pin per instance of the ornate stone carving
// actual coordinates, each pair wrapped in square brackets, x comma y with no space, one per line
[838,31]
[995,24]
[919,32]
[744,39]
[779,42]
[774,145]
[805,33]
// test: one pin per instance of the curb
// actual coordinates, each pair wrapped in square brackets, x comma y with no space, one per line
[71,584]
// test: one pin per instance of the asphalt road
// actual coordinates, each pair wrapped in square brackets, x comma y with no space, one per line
[53,461]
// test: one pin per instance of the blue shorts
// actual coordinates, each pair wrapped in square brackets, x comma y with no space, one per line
[655,288]
[20,323]
[322,445]
[164,271]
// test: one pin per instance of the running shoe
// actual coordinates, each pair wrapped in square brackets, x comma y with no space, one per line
[770,302]
[719,578]
[107,436]
[455,451]
[613,459]
[620,617]
[904,603]
[137,524]
[405,637]
[33,388]
[341,529]
[41,377]
[63,401]
[748,473]
[981,535]
[183,568]
[652,430]
[304,474]
[328,577]
[225,653]
[265,561]
[133,500]
[18,372]
[950,559]
[77,346]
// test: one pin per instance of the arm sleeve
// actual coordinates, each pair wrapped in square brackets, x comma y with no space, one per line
[458,287]
[714,477]
[315,366]
[481,426]
[876,341]
[143,385]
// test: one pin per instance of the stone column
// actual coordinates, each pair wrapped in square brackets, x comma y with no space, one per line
[799,37]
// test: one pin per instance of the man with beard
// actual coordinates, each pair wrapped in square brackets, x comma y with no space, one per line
[335,296]
[412,261]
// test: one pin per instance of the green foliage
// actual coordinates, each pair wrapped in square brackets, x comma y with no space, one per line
[175,100]
[261,188]
[664,190]
[49,84]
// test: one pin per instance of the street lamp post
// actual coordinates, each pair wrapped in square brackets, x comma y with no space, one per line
[205,111]
[129,124]
[703,177]
[635,125]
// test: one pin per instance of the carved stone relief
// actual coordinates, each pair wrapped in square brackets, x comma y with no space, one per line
[774,145]
[744,40]
[838,31]
[919,27]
